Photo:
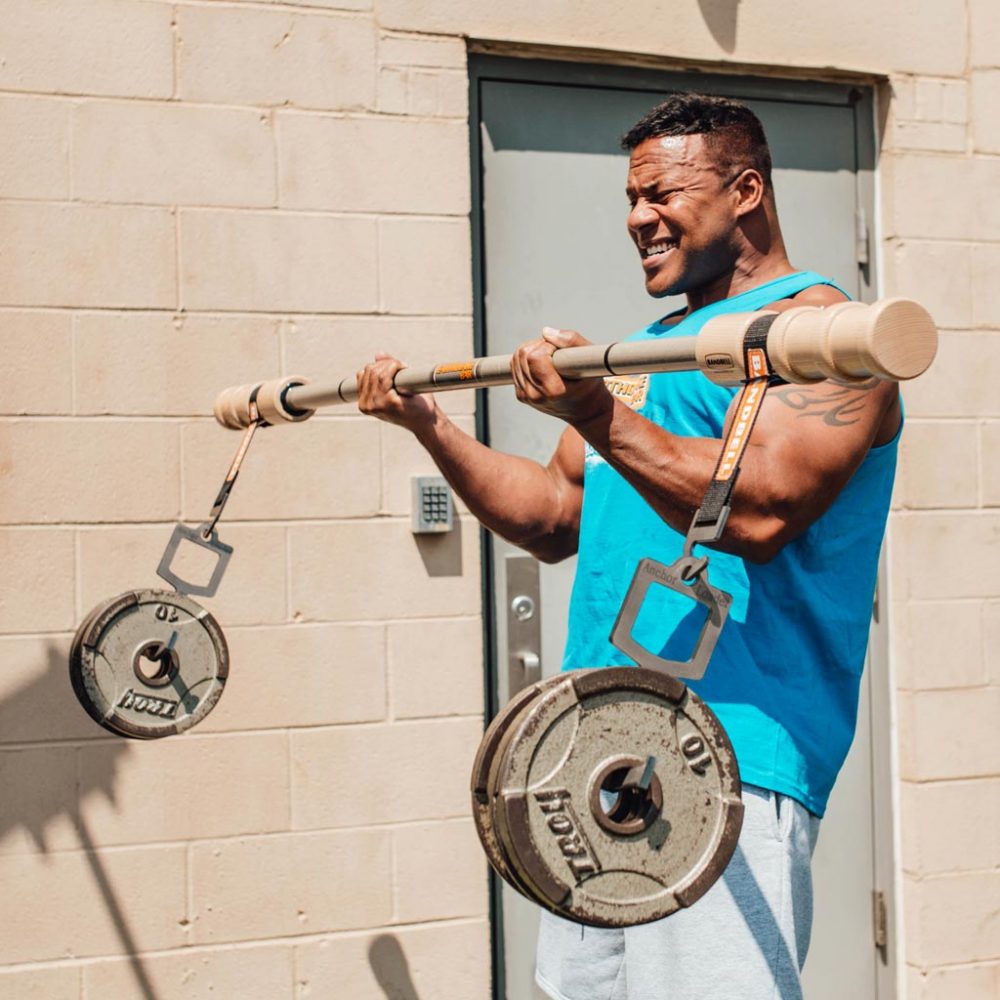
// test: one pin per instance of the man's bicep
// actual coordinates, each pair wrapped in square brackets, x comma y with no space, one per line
[566,469]
[566,464]
[810,439]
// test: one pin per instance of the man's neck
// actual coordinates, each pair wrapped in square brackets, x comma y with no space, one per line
[744,276]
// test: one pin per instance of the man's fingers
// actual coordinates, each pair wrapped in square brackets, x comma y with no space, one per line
[563,338]
[539,370]
[375,382]
[527,368]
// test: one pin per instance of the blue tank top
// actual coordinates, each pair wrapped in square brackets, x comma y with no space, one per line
[785,676]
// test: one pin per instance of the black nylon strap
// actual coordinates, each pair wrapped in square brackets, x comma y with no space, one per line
[756,337]
[716,497]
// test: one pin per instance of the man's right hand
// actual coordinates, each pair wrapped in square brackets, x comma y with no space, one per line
[378,398]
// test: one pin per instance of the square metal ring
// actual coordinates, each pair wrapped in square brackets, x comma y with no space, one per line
[717,603]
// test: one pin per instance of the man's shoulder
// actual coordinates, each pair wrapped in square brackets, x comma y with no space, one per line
[814,295]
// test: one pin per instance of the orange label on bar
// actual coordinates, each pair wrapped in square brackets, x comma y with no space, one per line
[746,413]
[465,370]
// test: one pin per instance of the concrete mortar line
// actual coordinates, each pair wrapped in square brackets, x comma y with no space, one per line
[77,578]
[73,362]
[393,880]
[210,313]
[277,943]
[929,782]
[290,768]
[71,150]
[189,844]
[178,264]
[308,522]
[181,473]
[280,211]
[378,269]
[980,465]
[272,124]
[175,30]
[333,14]
[390,673]
[21,745]
[281,108]
[289,619]
[471,618]
[189,907]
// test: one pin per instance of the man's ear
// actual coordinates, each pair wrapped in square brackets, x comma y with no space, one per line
[748,189]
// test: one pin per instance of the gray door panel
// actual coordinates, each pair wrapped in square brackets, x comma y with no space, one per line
[554,251]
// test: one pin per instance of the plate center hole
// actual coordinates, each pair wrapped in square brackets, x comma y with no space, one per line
[626,796]
[155,664]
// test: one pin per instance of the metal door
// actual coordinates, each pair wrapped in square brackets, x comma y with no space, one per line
[552,250]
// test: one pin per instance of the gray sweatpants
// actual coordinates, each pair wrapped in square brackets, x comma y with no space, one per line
[745,938]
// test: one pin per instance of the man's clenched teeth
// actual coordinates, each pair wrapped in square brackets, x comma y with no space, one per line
[657,248]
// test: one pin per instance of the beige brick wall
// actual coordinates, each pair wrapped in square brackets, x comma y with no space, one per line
[195,193]
[192,195]
[942,240]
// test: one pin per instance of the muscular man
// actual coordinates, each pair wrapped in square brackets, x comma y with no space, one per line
[799,554]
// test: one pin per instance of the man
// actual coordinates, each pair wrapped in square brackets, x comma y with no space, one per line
[799,553]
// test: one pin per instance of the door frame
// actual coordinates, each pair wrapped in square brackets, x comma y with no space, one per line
[860,96]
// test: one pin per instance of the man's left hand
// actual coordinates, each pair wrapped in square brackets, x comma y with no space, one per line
[539,384]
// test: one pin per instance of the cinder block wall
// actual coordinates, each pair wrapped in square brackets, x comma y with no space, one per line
[941,224]
[194,194]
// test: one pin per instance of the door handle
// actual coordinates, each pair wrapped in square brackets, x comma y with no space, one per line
[531,668]
[524,623]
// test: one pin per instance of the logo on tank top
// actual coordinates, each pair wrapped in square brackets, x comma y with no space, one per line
[630,389]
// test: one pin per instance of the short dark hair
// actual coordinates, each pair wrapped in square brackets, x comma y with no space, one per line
[732,131]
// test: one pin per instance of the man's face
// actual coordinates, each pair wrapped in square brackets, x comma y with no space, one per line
[683,219]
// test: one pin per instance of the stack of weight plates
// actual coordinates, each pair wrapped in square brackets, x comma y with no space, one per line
[609,796]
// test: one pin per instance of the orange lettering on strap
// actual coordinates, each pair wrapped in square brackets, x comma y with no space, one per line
[753,396]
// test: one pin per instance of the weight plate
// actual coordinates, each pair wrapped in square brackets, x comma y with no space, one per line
[482,806]
[576,824]
[148,663]
[507,730]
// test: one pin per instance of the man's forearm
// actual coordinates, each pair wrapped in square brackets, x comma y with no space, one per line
[670,472]
[512,496]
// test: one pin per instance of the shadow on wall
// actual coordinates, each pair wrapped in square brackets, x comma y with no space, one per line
[385,956]
[442,554]
[721,18]
[40,785]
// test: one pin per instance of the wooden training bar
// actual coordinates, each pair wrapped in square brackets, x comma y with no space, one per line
[894,339]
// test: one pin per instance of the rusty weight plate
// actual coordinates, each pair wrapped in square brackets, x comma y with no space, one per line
[148,663]
[482,806]
[571,818]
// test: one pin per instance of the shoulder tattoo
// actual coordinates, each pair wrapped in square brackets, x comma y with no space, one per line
[836,406]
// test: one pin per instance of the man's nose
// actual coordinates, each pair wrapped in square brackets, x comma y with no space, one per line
[641,216]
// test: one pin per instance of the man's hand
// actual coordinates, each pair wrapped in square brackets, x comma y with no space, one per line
[539,384]
[534,506]
[378,398]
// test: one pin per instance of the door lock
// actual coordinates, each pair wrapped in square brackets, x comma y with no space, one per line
[524,624]
[523,608]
